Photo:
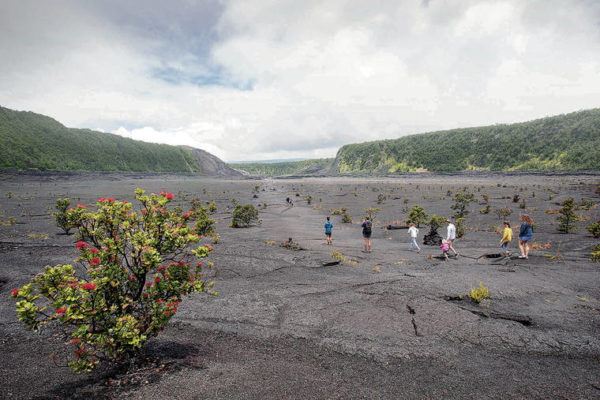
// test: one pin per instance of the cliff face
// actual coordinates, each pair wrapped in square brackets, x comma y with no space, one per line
[210,165]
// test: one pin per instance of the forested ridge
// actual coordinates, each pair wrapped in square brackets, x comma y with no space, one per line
[566,142]
[34,141]
[302,167]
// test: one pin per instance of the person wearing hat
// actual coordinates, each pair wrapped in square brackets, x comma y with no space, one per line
[451,235]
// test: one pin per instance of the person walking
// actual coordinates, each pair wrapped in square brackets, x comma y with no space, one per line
[367,229]
[507,235]
[413,233]
[328,231]
[451,235]
[525,235]
[445,246]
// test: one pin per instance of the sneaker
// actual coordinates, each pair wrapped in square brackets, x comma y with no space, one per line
[522,257]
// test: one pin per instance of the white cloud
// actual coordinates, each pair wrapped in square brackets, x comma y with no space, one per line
[297,79]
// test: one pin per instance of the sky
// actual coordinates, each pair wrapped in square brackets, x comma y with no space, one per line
[253,79]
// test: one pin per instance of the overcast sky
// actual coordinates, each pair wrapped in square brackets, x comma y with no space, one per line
[251,80]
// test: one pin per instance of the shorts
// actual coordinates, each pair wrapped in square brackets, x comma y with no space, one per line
[367,235]
[525,239]
[504,246]
[328,234]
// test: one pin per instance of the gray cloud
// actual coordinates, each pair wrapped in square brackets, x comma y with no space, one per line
[272,79]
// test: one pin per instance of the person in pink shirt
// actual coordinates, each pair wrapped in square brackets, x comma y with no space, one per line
[445,247]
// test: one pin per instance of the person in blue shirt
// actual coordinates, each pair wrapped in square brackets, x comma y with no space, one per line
[525,235]
[328,230]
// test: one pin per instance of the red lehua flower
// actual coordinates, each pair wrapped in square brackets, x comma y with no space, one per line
[75,341]
[89,286]
[168,195]
[187,215]
[160,301]
[61,310]
[14,292]
[81,205]
[80,245]
[95,261]
[111,199]
[101,200]
[94,250]
[148,284]
[161,268]
[146,295]
[79,352]
[157,279]
[132,278]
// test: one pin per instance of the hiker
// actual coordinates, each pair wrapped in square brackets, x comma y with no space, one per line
[413,233]
[507,234]
[367,226]
[445,246]
[328,230]
[525,235]
[451,235]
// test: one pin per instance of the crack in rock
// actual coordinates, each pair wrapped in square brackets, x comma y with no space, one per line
[412,312]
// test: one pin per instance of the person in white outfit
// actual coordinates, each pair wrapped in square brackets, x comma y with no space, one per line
[451,235]
[413,232]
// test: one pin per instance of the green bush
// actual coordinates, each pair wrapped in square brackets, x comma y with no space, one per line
[371,212]
[567,217]
[205,226]
[417,216]
[462,200]
[65,217]
[595,255]
[594,229]
[137,267]
[243,216]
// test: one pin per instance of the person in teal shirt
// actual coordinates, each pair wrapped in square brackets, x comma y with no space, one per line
[328,230]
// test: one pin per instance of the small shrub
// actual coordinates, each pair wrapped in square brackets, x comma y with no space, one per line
[595,255]
[462,200]
[417,216]
[478,294]
[503,213]
[339,256]
[346,218]
[204,226]
[586,204]
[64,218]
[594,229]
[485,210]
[338,211]
[460,227]
[523,204]
[371,212]
[212,207]
[308,199]
[243,216]
[381,198]
[567,217]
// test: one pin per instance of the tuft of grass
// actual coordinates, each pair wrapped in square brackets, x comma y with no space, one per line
[478,294]
[38,236]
